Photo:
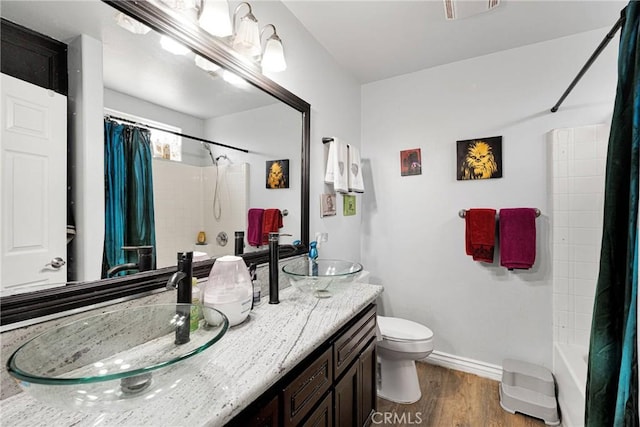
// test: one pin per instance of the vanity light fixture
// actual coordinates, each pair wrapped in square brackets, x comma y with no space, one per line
[273,55]
[130,24]
[246,35]
[214,18]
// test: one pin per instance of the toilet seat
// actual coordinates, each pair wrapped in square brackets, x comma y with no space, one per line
[403,330]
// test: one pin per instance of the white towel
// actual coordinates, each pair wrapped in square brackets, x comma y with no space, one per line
[356,183]
[336,172]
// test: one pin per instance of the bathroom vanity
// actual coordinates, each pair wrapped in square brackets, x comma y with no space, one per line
[305,361]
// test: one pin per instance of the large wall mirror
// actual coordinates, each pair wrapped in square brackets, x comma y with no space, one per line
[206,172]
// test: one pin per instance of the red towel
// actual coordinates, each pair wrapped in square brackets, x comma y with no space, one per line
[271,223]
[480,233]
[517,238]
[254,226]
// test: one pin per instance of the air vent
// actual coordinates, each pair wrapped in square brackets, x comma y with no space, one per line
[456,9]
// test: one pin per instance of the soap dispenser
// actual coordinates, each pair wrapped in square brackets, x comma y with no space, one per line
[313,257]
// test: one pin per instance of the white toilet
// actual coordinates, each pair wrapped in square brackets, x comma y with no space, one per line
[403,342]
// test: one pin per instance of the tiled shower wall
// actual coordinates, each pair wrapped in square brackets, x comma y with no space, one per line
[183,199]
[578,157]
[178,206]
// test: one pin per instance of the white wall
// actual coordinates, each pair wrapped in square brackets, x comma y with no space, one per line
[412,238]
[87,155]
[334,95]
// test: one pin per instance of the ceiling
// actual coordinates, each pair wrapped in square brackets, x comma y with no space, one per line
[378,39]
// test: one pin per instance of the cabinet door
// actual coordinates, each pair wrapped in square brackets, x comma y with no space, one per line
[346,408]
[262,416]
[302,394]
[322,416]
[268,415]
[368,383]
[350,344]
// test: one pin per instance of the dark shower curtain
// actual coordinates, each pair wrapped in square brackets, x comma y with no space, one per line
[612,379]
[129,214]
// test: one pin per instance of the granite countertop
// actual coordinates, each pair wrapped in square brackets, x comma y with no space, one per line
[249,359]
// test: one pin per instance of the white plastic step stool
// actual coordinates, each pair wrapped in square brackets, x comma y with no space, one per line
[530,390]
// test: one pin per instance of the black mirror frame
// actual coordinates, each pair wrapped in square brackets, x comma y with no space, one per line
[23,307]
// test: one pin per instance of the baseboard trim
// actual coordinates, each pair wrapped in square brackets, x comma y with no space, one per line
[482,369]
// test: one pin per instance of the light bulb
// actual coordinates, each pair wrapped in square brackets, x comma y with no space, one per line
[215,18]
[247,38]
[206,65]
[273,58]
[170,45]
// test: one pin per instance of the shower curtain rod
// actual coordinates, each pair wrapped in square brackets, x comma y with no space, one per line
[120,119]
[592,59]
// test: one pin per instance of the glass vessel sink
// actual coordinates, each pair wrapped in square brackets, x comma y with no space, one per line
[117,360]
[316,276]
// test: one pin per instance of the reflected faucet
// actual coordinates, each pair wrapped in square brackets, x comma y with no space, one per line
[145,260]
[181,280]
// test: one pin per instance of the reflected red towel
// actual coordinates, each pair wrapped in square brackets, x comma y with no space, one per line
[517,238]
[480,233]
[254,226]
[271,223]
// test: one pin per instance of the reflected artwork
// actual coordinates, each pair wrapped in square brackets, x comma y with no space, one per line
[278,173]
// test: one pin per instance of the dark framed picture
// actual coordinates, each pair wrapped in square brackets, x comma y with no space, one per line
[410,162]
[349,205]
[479,158]
[327,205]
[277,173]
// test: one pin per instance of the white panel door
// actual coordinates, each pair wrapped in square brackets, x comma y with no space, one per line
[33,194]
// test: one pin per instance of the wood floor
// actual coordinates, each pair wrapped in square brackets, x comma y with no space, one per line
[452,399]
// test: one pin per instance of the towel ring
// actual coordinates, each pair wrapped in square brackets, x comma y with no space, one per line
[463,212]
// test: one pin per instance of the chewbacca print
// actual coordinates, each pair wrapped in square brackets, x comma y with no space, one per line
[480,158]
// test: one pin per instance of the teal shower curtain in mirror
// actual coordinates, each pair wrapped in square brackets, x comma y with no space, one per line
[612,379]
[129,214]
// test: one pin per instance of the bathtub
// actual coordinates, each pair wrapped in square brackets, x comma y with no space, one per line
[570,371]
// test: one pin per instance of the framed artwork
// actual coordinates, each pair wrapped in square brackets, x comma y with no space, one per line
[327,205]
[277,173]
[410,162]
[349,204]
[479,158]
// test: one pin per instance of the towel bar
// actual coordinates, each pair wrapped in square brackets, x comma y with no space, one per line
[463,212]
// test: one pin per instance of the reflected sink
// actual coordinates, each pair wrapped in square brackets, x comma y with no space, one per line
[317,276]
[116,360]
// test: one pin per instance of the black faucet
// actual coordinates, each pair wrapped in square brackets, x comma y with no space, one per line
[239,243]
[274,256]
[145,260]
[181,280]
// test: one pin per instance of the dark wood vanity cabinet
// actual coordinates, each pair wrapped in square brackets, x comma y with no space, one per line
[334,386]
[355,394]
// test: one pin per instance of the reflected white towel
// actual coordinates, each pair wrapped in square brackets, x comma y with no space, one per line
[336,172]
[356,183]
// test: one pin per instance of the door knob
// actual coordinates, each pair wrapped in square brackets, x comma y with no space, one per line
[56,263]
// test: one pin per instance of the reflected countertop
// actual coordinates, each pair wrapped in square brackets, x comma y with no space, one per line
[248,360]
